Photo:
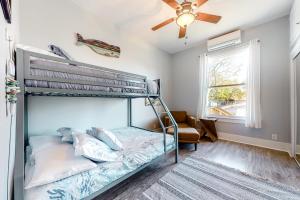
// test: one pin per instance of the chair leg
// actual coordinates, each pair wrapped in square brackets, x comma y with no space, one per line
[195,146]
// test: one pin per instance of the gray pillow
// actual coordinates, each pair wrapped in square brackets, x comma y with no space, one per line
[59,51]
[152,87]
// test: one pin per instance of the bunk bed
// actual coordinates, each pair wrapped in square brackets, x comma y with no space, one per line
[43,74]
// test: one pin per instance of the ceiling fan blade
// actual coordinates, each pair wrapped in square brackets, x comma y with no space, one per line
[172,3]
[182,32]
[208,17]
[168,21]
[200,2]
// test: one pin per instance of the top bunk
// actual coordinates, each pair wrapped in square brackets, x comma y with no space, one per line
[42,73]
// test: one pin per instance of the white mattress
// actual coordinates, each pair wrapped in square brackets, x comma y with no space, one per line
[140,147]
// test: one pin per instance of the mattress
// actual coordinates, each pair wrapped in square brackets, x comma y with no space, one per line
[101,72]
[140,147]
[73,86]
[105,81]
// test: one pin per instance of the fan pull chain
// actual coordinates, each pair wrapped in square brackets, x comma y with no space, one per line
[186,40]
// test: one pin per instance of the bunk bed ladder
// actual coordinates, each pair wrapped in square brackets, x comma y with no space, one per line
[164,128]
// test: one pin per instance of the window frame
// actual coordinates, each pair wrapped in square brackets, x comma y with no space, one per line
[231,119]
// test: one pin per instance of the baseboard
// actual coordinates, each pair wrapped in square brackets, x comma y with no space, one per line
[269,144]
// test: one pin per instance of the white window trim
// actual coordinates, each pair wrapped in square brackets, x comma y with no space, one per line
[228,119]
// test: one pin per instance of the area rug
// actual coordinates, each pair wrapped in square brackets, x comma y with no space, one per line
[199,179]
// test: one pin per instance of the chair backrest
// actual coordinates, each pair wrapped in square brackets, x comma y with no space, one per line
[179,116]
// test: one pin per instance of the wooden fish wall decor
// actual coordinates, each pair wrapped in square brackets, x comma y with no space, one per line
[99,47]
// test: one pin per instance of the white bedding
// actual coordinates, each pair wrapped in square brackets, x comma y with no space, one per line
[140,147]
[53,160]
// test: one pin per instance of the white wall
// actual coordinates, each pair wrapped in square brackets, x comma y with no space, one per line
[56,22]
[298,96]
[4,119]
[274,37]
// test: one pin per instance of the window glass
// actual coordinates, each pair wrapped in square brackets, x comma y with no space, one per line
[227,80]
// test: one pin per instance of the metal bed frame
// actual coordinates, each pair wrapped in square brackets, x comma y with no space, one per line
[24,66]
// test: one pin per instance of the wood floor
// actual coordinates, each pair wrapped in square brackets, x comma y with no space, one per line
[266,163]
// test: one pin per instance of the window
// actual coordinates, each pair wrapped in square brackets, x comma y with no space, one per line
[227,78]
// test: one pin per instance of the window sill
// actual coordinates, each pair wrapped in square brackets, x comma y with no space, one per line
[228,120]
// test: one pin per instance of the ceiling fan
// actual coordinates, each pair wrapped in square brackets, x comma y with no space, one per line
[186,15]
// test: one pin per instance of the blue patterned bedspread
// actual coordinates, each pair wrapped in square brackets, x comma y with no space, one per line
[140,148]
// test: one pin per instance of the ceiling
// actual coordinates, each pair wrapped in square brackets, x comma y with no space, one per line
[139,16]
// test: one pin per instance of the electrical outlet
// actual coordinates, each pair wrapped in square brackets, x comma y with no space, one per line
[274,136]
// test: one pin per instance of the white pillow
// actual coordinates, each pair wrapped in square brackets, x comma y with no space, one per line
[107,137]
[66,133]
[53,161]
[38,143]
[92,148]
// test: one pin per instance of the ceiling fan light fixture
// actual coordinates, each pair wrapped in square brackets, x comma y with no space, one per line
[186,15]
[185,19]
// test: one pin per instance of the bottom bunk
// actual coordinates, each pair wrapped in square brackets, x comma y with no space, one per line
[141,148]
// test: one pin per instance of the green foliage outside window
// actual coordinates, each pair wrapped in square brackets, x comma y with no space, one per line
[227,94]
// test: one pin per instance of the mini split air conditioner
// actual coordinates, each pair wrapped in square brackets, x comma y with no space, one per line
[224,41]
